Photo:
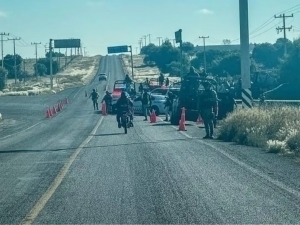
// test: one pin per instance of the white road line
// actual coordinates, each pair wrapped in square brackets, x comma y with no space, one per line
[38,207]
[21,131]
[77,92]
[246,166]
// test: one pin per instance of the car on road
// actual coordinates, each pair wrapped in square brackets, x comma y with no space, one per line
[102,76]
[158,104]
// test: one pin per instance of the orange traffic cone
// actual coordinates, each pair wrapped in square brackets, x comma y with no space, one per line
[54,110]
[153,117]
[48,114]
[182,121]
[58,107]
[199,120]
[104,113]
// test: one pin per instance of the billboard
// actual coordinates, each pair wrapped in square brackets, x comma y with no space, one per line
[67,43]
[117,49]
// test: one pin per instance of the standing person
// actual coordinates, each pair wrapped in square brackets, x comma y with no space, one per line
[161,79]
[95,97]
[141,88]
[169,105]
[107,99]
[146,103]
[207,102]
[167,82]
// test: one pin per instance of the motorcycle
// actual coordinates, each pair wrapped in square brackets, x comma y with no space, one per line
[125,121]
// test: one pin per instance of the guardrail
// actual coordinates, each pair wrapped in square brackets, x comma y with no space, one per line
[288,102]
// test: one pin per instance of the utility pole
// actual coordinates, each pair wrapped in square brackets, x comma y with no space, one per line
[149,38]
[284,28]
[15,65]
[245,54]
[145,40]
[159,40]
[2,34]
[35,68]
[131,61]
[140,43]
[204,52]
[50,56]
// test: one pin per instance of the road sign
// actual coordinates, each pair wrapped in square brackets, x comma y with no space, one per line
[67,43]
[178,36]
[117,49]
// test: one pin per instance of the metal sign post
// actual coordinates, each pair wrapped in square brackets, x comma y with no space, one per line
[178,39]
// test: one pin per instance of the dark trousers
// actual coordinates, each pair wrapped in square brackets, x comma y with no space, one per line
[208,120]
[95,104]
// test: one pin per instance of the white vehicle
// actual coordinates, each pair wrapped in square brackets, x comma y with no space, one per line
[102,76]
[158,104]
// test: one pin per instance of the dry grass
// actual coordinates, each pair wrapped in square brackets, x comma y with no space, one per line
[275,128]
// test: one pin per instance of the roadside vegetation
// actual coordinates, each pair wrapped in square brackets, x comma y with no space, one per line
[274,128]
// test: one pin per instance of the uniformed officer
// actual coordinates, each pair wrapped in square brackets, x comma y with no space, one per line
[207,101]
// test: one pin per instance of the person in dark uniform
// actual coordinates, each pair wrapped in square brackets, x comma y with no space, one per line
[95,97]
[207,102]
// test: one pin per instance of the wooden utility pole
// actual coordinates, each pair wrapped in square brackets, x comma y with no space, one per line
[15,64]
[284,28]
[204,52]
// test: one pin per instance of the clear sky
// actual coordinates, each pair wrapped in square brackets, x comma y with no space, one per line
[102,23]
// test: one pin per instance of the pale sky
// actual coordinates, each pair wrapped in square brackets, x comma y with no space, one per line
[103,23]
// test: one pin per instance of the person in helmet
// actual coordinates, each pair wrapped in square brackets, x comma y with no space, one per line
[123,105]
[95,97]
[207,102]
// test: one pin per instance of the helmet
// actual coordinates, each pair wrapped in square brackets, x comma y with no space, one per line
[94,89]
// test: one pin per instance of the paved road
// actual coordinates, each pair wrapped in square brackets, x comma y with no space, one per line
[154,174]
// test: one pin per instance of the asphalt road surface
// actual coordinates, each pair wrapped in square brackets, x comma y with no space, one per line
[79,168]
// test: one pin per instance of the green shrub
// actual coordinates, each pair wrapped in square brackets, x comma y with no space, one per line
[276,128]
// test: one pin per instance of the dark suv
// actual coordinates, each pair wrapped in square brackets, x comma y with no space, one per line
[188,97]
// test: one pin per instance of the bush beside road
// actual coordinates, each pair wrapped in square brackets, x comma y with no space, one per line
[274,128]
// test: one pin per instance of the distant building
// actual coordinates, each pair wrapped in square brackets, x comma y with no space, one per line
[221,47]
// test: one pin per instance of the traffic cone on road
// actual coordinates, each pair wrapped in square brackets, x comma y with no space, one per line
[54,110]
[153,117]
[48,114]
[58,107]
[182,121]
[199,120]
[103,109]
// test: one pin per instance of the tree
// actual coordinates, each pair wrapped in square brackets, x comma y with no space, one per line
[41,69]
[9,63]
[46,62]
[279,46]
[187,47]
[55,54]
[231,64]
[146,50]
[266,54]
[290,70]
[226,42]
[3,75]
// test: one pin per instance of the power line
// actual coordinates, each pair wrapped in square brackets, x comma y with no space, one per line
[2,34]
[15,65]
[283,28]
[35,67]
[204,53]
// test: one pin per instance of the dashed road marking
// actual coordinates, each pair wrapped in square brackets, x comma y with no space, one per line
[38,207]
